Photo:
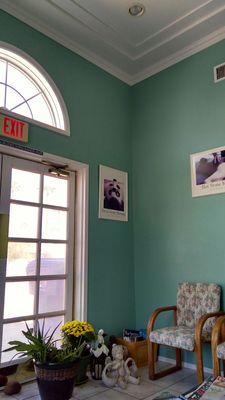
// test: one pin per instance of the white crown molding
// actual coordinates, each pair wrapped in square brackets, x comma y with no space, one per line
[130,79]
[64,41]
[179,33]
[188,51]
[169,37]
[108,41]
[175,22]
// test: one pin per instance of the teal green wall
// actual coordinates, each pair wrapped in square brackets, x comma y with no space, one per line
[99,110]
[154,127]
[176,237]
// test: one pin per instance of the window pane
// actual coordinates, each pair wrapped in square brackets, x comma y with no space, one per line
[2,95]
[20,82]
[23,110]
[2,71]
[13,98]
[51,295]
[51,323]
[28,81]
[25,186]
[21,259]
[23,221]
[13,331]
[53,259]
[54,224]
[55,191]
[24,291]
[40,110]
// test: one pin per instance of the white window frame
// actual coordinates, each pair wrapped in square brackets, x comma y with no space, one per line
[81,221]
[40,71]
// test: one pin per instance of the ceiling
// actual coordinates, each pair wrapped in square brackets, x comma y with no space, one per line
[130,48]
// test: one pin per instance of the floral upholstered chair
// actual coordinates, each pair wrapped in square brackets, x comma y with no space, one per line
[194,317]
[218,346]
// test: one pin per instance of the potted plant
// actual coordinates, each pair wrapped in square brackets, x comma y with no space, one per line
[75,334]
[55,367]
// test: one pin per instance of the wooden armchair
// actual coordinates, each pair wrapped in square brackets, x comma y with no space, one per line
[194,317]
[218,346]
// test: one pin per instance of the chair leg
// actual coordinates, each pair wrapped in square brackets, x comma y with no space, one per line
[223,362]
[156,352]
[151,359]
[199,363]
[178,358]
[152,351]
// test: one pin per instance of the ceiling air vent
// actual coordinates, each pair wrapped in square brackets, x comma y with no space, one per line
[219,72]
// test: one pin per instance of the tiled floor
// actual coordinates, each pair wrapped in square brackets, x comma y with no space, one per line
[175,383]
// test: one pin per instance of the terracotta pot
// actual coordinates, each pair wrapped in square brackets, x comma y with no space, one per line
[56,381]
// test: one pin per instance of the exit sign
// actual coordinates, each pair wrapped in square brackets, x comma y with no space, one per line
[13,128]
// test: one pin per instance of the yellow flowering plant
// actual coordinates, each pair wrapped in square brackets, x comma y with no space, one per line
[74,333]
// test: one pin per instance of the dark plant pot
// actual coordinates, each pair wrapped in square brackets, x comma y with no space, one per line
[81,374]
[11,369]
[56,381]
[97,365]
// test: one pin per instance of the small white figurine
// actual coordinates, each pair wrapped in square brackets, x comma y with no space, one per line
[117,372]
[101,348]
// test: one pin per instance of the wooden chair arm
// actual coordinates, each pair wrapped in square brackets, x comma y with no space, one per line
[201,322]
[218,332]
[155,314]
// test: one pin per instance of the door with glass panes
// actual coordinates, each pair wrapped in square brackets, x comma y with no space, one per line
[36,248]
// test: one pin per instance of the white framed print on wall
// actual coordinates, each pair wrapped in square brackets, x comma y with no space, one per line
[208,172]
[113,194]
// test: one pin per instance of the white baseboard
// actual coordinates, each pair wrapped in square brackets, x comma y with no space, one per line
[184,364]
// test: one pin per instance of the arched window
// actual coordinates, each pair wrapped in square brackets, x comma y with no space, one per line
[26,89]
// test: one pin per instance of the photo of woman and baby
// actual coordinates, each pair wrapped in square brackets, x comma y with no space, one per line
[210,168]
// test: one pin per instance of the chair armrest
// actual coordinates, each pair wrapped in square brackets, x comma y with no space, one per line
[155,314]
[200,323]
[218,332]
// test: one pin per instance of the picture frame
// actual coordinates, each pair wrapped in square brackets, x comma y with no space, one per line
[208,172]
[113,194]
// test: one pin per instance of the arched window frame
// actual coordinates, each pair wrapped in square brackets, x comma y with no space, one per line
[37,74]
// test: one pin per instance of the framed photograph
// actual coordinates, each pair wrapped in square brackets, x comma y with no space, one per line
[208,172]
[113,202]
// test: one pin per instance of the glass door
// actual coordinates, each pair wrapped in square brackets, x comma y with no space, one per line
[36,226]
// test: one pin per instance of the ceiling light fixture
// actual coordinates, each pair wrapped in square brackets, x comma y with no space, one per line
[136,10]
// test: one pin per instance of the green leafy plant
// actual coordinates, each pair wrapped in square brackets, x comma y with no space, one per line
[41,347]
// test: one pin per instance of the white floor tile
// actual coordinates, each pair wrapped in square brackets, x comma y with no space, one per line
[111,394]
[28,391]
[185,384]
[163,393]
[140,391]
[175,377]
[88,389]
[176,383]
[4,396]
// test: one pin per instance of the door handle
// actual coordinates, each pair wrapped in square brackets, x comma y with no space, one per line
[4,226]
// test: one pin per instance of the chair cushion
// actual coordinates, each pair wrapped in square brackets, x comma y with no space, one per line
[177,336]
[221,350]
[195,300]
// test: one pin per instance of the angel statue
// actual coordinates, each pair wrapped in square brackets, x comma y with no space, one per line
[118,372]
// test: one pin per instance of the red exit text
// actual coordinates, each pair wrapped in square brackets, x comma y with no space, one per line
[13,128]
